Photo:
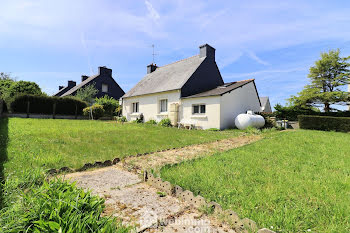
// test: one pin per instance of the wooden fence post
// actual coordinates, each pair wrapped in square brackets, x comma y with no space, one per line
[28,108]
[76,111]
[54,110]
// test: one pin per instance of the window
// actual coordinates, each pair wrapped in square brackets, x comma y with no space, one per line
[135,107]
[199,109]
[104,88]
[163,105]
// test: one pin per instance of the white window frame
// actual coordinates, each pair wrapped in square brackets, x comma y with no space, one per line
[161,110]
[103,87]
[199,109]
[135,107]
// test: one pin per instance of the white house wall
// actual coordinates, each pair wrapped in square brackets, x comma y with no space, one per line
[149,105]
[236,102]
[211,118]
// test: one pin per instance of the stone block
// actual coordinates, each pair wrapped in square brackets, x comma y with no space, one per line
[116,160]
[215,206]
[265,230]
[177,191]
[107,163]
[187,196]
[250,224]
[65,169]
[199,201]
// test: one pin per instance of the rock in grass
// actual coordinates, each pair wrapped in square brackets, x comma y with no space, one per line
[250,224]
[107,163]
[116,160]
[265,230]
[52,171]
[66,169]
[98,164]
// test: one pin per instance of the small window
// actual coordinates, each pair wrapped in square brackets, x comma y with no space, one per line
[199,109]
[104,88]
[164,105]
[135,107]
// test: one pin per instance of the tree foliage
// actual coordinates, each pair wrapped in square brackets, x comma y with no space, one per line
[10,88]
[110,105]
[327,77]
[87,93]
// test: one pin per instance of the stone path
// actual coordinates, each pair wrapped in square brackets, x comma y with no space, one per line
[138,204]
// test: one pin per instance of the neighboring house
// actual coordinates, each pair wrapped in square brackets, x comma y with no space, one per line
[103,82]
[265,104]
[191,90]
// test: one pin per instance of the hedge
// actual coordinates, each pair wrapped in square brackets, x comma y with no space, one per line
[325,123]
[40,104]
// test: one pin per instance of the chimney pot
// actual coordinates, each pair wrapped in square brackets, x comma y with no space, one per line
[206,51]
[84,77]
[71,83]
[150,68]
[104,71]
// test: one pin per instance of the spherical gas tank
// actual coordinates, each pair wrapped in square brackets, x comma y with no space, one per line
[243,121]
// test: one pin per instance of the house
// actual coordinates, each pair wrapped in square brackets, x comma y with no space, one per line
[191,91]
[103,82]
[265,104]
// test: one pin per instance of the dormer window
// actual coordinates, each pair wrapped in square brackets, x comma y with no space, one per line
[104,88]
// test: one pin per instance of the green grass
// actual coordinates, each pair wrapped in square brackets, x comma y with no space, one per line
[48,143]
[293,181]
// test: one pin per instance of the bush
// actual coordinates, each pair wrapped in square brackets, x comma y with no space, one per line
[325,123]
[41,104]
[151,122]
[109,104]
[96,109]
[165,122]
[121,119]
[53,206]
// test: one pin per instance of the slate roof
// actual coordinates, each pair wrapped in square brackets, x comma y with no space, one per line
[85,82]
[223,89]
[60,91]
[263,101]
[166,78]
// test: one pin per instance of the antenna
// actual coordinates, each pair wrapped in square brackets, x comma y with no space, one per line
[153,54]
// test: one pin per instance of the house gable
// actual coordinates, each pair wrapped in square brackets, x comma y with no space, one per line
[206,77]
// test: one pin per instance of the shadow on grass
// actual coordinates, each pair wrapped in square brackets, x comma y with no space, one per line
[3,154]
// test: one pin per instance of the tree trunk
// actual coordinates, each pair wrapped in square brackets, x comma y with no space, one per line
[327,107]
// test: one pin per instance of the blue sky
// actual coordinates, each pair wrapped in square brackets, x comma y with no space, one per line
[275,42]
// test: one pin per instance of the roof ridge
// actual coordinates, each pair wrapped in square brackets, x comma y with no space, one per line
[179,61]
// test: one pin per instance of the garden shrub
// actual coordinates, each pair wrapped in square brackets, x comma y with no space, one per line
[96,110]
[121,119]
[109,104]
[53,206]
[41,104]
[151,122]
[165,122]
[325,123]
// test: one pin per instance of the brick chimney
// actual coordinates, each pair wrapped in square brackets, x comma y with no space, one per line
[150,68]
[60,88]
[206,51]
[84,77]
[71,84]
[102,70]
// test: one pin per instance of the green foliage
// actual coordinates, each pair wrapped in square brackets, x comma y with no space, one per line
[213,129]
[291,112]
[327,77]
[96,110]
[9,89]
[87,93]
[165,122]
[41,104]
[6,76]
[291,180]
[109,104]
[325,123]
[121,119]
[151,122]
[38,205]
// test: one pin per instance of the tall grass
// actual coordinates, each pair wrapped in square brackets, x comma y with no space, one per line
[291,181]
[37,205]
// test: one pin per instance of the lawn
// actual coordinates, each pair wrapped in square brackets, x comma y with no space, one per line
[295,181]
[47,143]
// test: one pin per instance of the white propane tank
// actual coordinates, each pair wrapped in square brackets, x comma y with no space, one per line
[243,121]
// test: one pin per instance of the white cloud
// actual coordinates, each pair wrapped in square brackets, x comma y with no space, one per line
[253,56]
[152,12]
